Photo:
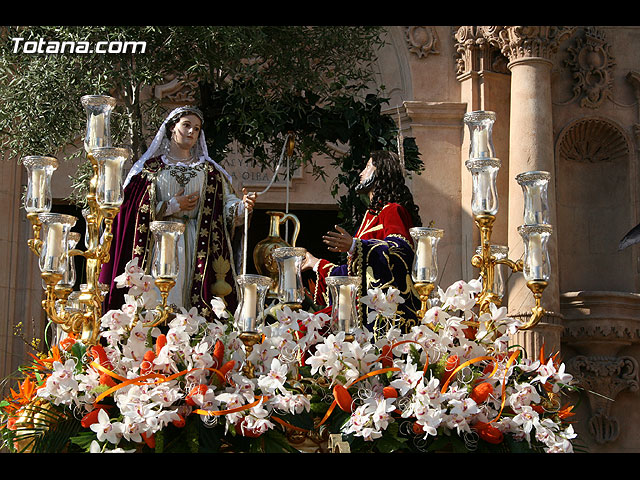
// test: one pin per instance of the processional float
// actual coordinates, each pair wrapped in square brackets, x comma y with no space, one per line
[79,312]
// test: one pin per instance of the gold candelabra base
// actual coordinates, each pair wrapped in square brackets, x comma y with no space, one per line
[162,311]
[424,290]
[249,339]
[537,311]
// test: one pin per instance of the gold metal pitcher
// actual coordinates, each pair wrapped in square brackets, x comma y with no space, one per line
[263,252]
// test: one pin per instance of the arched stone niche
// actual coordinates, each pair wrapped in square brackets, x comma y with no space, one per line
[594,199]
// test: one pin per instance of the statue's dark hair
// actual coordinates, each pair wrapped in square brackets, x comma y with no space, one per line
[389,185]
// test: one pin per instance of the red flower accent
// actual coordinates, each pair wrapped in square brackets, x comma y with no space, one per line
[489,433]
[218,352]
[161,341]
[386,357]
[199,389]
[343,398]
[389,392]
[481,392]
[91,417]
[451,364]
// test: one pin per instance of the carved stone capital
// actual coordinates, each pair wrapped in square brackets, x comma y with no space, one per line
[522,42]
[475,53]
[603,378]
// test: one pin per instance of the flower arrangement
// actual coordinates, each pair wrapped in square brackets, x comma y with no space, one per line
[447,384]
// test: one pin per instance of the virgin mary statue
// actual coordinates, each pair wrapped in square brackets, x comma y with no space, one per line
[176,180]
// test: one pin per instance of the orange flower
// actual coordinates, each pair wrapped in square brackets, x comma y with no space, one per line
[566,412]
[451,364]
[481,392]
[417,428]
[107,380]
[150,440]
[161,341]
[199,389]
[386,357]
[67,343]
[147,362]
[389,392]
[180,422]
[222,371]
[92,417]
[343,398]
[218,352]
[489,433]
[98,354]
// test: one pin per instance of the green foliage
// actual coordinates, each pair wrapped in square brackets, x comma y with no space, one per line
[256,83]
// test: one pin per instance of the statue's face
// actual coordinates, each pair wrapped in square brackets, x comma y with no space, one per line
[186,131]
[367,177]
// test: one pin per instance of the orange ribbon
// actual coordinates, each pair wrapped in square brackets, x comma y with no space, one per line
[231,410]
[512,359]
[140,380]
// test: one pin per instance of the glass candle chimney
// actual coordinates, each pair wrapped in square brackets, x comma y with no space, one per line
[343,291]
[69,277]
[98,131]
[425,260]
[289,260]
[484,194]
[39,172]
[249,315]
[165,263]
[537,265]
[480,124]
[109,191]
[534,187]
[501,271]
[56,228]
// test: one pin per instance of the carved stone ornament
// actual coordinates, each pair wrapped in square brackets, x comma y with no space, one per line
[598,325]
[422,41]
[177,90]
[591,63]
[474,53]
[593,140]
[519,42]
[604,377]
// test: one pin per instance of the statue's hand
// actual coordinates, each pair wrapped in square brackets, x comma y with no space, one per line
[249,199]
[187,202]
[309,262]
[338,241]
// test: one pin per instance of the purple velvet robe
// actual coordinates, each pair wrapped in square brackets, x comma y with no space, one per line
[132,238]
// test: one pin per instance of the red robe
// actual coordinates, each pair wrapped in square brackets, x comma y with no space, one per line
[383,258]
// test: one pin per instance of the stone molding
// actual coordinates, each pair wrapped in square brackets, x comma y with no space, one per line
[593,140]
[597,317]
[439,114]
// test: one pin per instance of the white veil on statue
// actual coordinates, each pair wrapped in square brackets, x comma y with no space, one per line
[160,143]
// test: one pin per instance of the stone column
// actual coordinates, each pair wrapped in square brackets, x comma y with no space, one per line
[529,50]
